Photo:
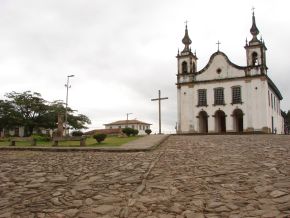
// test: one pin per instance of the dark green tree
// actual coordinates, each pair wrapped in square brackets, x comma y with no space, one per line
[128,131]
[31,111]
[9,118]
[30,108]
[76,122]
[100,137]
[148,131]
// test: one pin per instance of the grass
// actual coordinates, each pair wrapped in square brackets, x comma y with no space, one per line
[110,141]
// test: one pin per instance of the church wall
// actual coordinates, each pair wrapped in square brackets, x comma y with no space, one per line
[219,62]
[211,109]
[186,98]
[273,110]
[256,105]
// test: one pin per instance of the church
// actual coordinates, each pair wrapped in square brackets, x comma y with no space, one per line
[224,97]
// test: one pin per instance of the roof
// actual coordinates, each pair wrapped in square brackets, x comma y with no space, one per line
[127,122]
[104,131]
[274,88]
[227,60]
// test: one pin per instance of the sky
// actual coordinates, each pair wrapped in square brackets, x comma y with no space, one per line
[122,52]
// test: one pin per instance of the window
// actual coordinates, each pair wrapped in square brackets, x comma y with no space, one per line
[184,67]
[236,95]
[269,98]
[254,59]
[202,97]
[274,103]
[219,96]
[193,67]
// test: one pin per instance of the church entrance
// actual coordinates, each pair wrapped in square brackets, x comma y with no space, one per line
[220,121]
[203,123]
[238,120]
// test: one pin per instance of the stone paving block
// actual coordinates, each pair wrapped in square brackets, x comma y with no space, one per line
[187,176]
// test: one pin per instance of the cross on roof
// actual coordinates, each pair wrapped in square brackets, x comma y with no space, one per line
[218,43]
[186,22]
[253,9]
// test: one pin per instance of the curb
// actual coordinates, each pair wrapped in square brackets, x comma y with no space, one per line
[84,149]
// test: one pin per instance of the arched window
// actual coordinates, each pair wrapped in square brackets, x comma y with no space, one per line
[184,67]
[193,67]
[254,58]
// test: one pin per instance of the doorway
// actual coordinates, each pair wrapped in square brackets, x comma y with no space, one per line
[238,120]
[220,121]
[203,122]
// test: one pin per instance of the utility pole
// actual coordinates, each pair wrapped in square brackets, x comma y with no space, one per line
[66,103]
[127,118]
[159,99]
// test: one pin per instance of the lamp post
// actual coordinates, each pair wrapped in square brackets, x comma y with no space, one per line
[127,118]
[66,102]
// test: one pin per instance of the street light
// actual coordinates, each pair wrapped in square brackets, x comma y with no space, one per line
[127,118]
[66,102]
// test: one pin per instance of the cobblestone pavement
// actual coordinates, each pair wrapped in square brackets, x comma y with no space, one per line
[187,176]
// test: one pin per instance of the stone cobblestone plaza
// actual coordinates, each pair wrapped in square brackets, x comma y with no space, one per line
[186,176]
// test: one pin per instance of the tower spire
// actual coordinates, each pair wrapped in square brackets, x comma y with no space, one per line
[186,40]
[254,29]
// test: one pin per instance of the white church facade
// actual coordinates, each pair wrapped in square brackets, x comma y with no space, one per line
[224,97]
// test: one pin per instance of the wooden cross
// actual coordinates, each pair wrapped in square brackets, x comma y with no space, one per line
[159,104]
[218,43]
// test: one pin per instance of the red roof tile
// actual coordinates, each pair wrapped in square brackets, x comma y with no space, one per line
[126,122]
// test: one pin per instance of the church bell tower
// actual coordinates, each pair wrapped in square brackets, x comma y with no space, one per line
[186,61]
[256,52]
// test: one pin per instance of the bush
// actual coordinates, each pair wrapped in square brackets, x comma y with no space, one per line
[135,132]
[41,138]
[77,133]
[148,131]
[100,137]
[128,131]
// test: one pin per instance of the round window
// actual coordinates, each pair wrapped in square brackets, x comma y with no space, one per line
[219,70]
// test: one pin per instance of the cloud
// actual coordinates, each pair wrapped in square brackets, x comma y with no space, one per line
[123,52]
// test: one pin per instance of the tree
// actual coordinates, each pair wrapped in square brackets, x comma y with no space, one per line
[135,132]
[31,111]
[148,131]
[76,122]
[128,131]
[100,137]
[286,117]
[77,133]
[9,118]
[29,108]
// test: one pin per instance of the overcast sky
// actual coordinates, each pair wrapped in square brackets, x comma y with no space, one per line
[121,52]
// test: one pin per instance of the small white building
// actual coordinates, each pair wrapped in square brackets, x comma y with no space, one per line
[225,97]
[134,124]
